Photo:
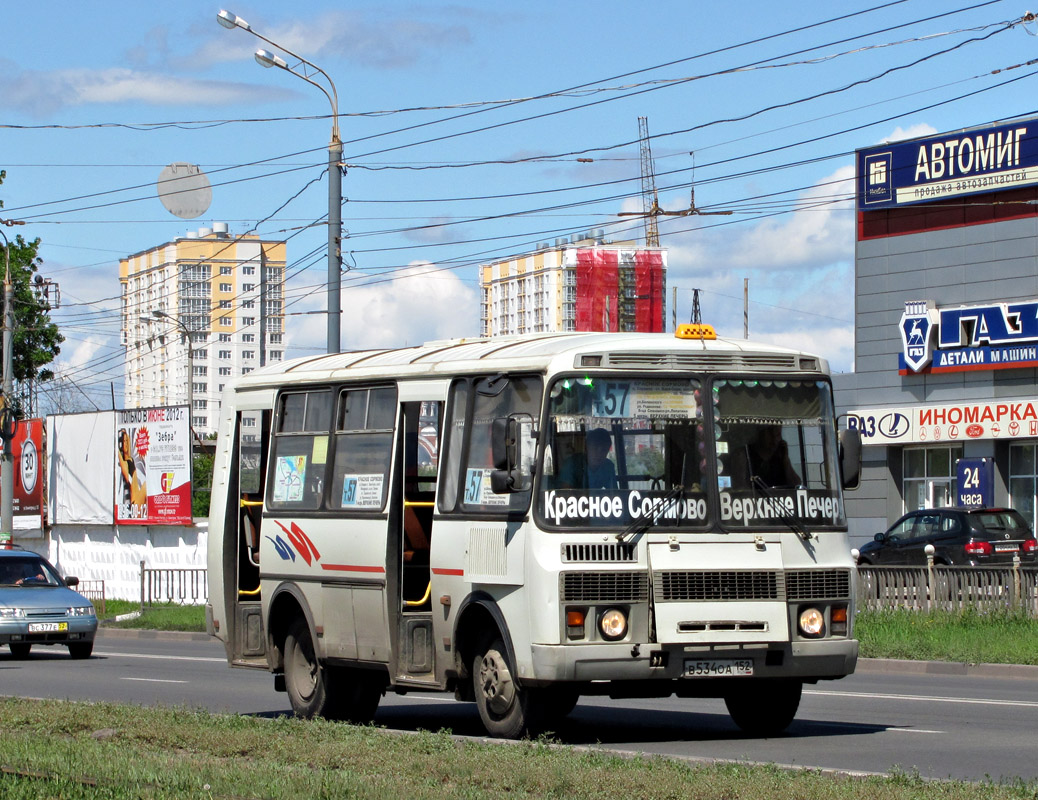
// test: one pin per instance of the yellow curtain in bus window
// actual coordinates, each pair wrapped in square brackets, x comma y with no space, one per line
[289,478]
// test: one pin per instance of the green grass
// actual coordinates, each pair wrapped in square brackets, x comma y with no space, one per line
[79,750]
[969,636]
[165,617]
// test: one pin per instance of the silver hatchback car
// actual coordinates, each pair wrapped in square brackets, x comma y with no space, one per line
[38,607]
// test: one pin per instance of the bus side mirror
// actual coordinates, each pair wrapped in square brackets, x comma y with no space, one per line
[850,457]
[513,445]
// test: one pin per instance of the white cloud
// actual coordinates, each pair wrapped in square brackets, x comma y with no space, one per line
[42,93]
[911,132]
[419,304]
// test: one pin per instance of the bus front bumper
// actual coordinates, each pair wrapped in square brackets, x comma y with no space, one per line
[627,661]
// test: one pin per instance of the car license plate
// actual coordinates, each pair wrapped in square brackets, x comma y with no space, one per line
[47,627]
[718,668]
[1006,548]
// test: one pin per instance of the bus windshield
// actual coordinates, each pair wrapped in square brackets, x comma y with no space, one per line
[623,451]
[776,453]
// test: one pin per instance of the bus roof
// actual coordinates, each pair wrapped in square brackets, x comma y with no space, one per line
[553,352]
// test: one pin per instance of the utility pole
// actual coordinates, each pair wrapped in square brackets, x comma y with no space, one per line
[745,308]
[7,413]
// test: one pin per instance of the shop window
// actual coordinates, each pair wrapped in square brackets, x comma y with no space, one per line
[929,476]
[1023,478]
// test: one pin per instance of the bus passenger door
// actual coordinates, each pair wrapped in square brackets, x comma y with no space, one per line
[417,470]
[253,434]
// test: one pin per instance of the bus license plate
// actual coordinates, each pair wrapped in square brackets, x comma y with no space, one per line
[47,627]
[719,668]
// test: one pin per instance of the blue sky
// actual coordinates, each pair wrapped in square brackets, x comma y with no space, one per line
[475,131]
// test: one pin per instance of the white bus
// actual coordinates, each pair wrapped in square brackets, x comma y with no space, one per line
[525,520]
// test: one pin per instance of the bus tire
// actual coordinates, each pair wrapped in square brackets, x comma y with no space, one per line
[508,710]
[766,708]
[353,694]
[305,681]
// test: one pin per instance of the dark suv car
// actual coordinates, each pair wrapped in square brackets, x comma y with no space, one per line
[960,536]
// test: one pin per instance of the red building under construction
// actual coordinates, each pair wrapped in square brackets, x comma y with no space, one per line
[584,284]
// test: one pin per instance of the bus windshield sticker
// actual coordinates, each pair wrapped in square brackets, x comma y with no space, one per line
[320,453]
[810,506]
[478,491]
[362,491]
[623,507]
[645,399]
[289,479]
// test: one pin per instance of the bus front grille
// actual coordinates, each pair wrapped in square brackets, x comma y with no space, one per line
[604,587]
[721,585]
[705,585]
[813,584]
[598,552]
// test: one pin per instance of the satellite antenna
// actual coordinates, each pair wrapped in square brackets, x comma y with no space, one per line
[184,190]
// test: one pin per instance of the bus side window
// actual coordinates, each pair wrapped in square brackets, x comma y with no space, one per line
[363,448]
[300,455]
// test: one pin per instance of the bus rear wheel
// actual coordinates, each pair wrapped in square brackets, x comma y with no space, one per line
[766,708]
[508,710]
[321,691]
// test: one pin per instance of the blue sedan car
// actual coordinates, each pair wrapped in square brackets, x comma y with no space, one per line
[38,607]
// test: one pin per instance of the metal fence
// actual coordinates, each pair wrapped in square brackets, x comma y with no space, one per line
[94,591]
[186,586]
[941,588]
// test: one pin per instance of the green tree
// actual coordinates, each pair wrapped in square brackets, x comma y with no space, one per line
[35,337]
[202,487]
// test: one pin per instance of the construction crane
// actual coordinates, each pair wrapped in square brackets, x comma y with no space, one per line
[650,197]
[650,200]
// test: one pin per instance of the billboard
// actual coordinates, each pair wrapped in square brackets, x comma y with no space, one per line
[152,466]
[947,423]
[27,448]
[949,165]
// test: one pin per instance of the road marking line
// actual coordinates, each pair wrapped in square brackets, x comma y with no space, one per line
[927,698]
[153,680]
[110,654]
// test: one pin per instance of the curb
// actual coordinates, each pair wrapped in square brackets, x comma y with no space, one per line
[139,633]
[905,666]
[866,665]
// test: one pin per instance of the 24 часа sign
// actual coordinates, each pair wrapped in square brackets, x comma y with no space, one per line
[981,337]
[949,165]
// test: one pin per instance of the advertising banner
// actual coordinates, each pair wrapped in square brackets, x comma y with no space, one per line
[28,477]
[949,165]
[152,466]
[947,422]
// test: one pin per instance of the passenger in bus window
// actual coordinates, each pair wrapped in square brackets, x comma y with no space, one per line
[591,469]
[766,457]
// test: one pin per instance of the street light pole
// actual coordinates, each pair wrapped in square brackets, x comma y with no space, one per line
[186,334]
[305,70]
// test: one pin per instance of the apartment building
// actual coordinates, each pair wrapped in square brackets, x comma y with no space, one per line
[196,313]
[579,284]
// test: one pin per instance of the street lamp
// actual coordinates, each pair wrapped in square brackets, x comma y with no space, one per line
[306,71]
[186,333]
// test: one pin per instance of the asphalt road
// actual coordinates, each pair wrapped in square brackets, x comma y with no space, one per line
[885,717]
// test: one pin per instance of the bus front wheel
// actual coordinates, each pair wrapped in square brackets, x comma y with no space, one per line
[508,711]
[766,708]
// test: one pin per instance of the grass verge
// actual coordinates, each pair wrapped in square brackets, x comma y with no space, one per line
[165,617]
[969,636]
[78,750]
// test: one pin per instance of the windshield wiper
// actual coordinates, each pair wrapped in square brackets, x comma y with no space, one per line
[641,525]
[789,520]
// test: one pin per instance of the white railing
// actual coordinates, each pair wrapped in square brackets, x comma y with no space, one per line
[937,587]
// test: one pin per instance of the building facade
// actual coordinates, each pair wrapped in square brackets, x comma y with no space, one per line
[945,388]
[196,313]
[583,284]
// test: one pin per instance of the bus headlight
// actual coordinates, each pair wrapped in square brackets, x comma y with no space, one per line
[812,622]
[613,624]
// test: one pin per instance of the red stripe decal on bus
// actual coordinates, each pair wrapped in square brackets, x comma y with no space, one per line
[352,568]
[441,571]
